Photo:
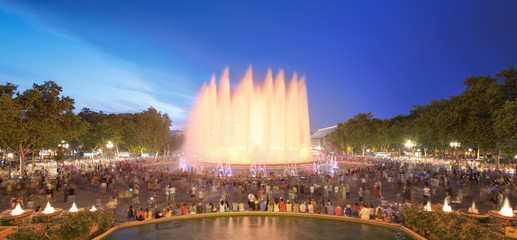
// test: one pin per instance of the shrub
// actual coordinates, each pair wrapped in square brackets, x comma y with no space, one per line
[437,225]
[81,225]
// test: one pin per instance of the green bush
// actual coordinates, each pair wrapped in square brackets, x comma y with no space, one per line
[82,225]
[438,225]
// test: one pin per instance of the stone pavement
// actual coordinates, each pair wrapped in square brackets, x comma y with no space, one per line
[87,196]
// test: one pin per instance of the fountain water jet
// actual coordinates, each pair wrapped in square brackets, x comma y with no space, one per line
[17,210]
[266,123]
[446,206]
[427,207]
[73,208]
[48,209]
[506,210]
[473,209]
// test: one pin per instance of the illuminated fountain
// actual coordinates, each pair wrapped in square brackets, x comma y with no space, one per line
[262,124]
[16,216]
[258,171]
[446,206]
[427,207]
[48,214]
[94,209]
[473,209]
[473,212]
[74,209]
[506,214]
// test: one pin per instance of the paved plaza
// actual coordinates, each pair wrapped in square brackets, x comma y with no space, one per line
[365,176]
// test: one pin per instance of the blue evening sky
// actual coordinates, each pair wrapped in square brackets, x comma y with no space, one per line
[358,56]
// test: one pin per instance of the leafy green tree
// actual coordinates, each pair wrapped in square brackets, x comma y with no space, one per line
[36,118]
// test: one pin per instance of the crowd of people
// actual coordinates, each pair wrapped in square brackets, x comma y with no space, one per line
[367,188]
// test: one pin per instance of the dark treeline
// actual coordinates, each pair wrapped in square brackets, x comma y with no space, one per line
[483,118]
[40,118]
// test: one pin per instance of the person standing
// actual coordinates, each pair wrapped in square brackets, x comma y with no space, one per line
[167,193]
[172,192]
[71,193]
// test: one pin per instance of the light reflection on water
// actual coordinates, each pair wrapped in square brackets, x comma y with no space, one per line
[257,227]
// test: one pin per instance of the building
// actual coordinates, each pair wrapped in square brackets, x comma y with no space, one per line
[318,136]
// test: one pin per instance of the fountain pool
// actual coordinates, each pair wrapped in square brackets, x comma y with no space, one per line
[257,227]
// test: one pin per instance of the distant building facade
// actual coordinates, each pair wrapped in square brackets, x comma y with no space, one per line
[318,136]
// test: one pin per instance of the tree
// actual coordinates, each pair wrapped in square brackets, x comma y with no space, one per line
[36,118]
[506,126]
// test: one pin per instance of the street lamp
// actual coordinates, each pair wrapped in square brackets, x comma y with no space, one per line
[409,144]
[64,145]
[109,145]
[455,145]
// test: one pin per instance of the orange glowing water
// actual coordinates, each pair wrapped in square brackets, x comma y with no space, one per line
[74,208]
[48,209]
[506,210]
[267,123]
[17,210]
[446,206]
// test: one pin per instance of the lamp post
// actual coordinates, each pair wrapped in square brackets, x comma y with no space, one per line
[470,152]
[64,145]
[109,145]
[455,145]
[409,144]
[9,158]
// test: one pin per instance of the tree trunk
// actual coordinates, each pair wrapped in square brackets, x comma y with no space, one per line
[496,158]
[478,154]
[21,153]
[33,163]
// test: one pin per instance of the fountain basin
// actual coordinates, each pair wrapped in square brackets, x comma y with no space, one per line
[473,215]
[506,221]
[41,217]
[248,225]
[498,215]
[6,219]
[72,212]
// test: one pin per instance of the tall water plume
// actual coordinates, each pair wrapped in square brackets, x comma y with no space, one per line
[267,123]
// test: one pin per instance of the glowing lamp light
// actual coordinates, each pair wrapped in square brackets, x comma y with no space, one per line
[506,210]
[73,208]
[409,144]
[446,207]
[93,209]
[17,210]
[48,209]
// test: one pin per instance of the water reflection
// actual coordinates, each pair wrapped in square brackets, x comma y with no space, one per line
[264,228]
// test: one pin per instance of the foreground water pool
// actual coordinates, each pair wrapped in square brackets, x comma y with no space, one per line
[257,227]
